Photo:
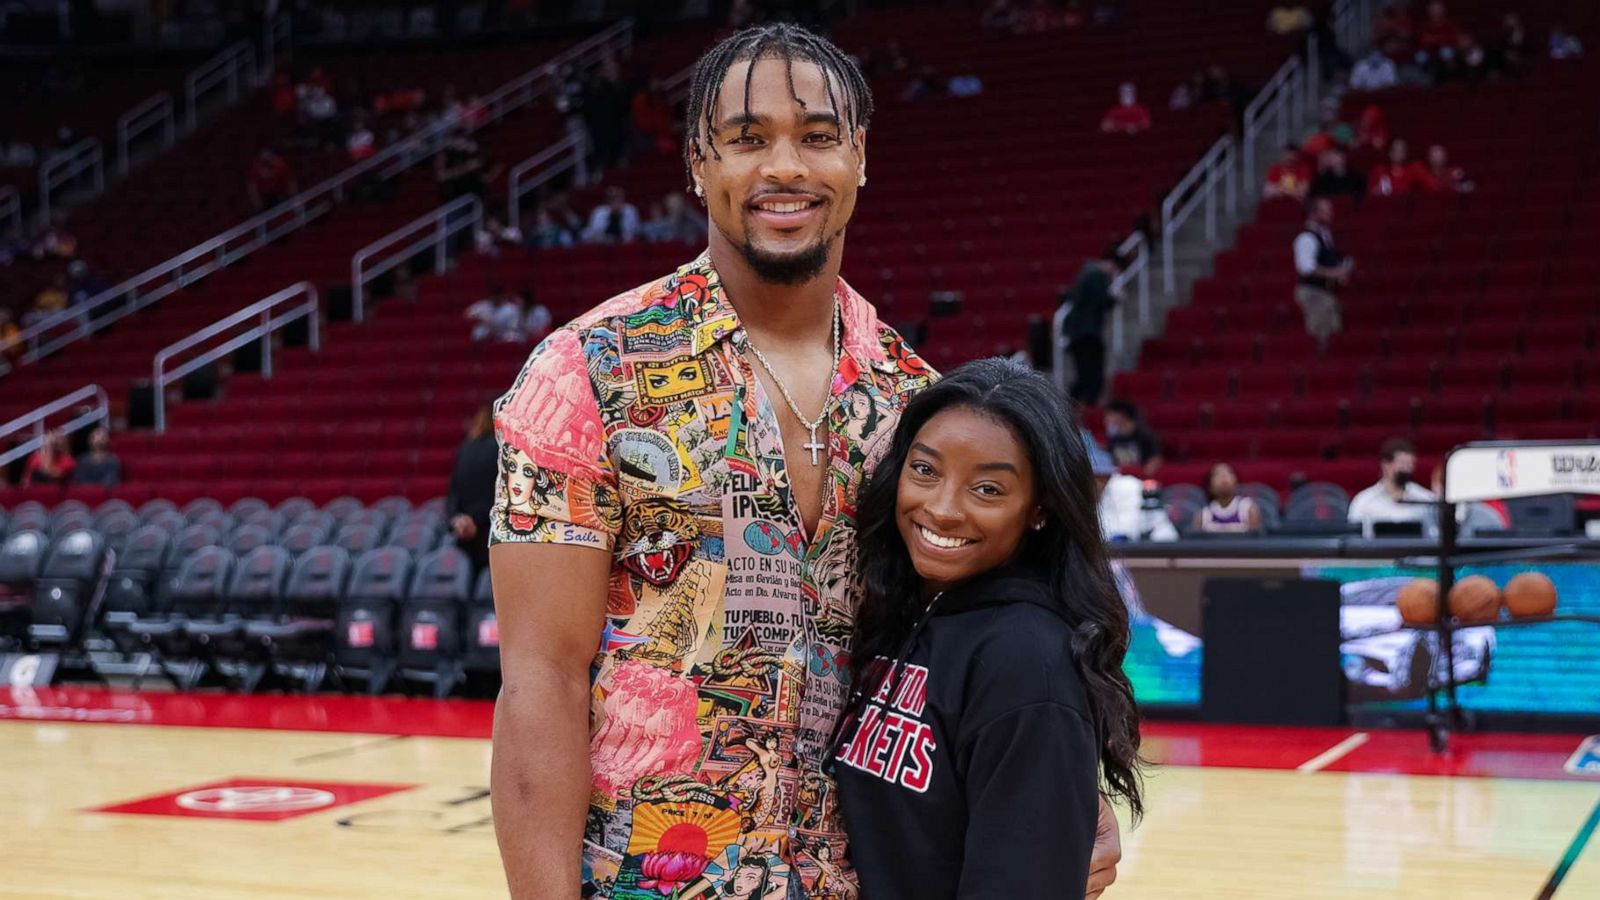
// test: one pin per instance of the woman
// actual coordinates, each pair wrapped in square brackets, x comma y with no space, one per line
[970,766]
[1225,511]
[51,464]
[471,496]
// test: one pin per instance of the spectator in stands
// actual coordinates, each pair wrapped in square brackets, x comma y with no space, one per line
[319,115]
[1332,132]
[10,340]
[361,142]
[1399,174]
[1124,515]
[1564,44]
[1397,497]
[547,232]
[606,111]
[56,242]
[1375,72]
[537,319]
[1290,176]
[1129,116]
[52,463]
[1440,32]
[99,466]
[494,234]
[48,302]
[967,83]
[472,484]
[462,167]
[1334,178]
[1508,55]
[675,220]
[1443,176]
[614,222]
[1396,28]
[1372,139]
[1321,269]
[1129,440]
[497,317]
[270,181]
[1226,512]
[1090,299]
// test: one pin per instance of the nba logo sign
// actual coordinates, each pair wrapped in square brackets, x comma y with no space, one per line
[1586,761]
[424,636]
[1505,469]
[359,634]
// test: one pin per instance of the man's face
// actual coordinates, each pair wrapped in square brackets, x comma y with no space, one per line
[1322,212]
[1402,462]
[780,184]
[1117,423]
[99,440]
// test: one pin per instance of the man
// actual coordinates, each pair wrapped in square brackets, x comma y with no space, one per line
[1290,176]
[1130,441]
[614,222]
[1397,497]
[99,466]
[680,469]
[1090,300]
[1321,268]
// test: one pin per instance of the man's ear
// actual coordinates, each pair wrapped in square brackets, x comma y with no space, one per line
[861,150]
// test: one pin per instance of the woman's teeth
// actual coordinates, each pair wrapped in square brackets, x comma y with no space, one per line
[939,540]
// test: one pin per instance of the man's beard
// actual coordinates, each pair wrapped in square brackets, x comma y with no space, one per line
[789,268]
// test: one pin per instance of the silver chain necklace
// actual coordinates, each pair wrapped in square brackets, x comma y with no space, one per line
[811,425]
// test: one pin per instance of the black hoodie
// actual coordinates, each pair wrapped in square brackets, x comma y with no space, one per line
[973,772]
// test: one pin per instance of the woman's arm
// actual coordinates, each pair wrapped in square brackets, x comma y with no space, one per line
[1032,779]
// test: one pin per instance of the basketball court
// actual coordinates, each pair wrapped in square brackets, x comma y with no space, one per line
[175,796]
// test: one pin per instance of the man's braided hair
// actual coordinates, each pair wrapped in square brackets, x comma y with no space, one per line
[776,41]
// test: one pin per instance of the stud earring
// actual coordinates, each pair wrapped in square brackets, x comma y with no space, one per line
[1038,525]
[862,182]
[700,192]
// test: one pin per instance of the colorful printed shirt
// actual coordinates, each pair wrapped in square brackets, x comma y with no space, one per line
[640,429]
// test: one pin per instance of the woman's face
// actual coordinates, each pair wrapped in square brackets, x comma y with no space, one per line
[519,477]
[746,879]
[1223,482]
[965,497]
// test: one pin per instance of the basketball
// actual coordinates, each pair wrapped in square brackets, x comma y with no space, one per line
[1419,602]
[1531,594]
[1475,598]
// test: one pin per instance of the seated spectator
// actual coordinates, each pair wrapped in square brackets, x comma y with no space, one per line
[1564,44]
[1397,497]
[48,302]
[361,142]
[270,181]
[1375,72]
[1334,178]
[319,115]
[537,319]
[1443,176]
[51,463]
[1395,29]
[966,84]
[1124,515]
[497,317]
[1332,133]
[1372,140]
[1399,174]
[676,220]
[494,234]
[99,466]
[472,485]
[56,242]
[1225,511]
[547,232]
[1290,176]
[1129,440]
[11,347]
[1439,31]
[614,222]
[1128,116]
[462,167]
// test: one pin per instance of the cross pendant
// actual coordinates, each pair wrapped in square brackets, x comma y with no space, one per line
[814,446]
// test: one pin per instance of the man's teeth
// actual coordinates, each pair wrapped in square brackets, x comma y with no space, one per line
[939,540]
[785,207]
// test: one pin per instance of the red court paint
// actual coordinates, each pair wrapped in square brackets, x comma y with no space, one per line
[269,799]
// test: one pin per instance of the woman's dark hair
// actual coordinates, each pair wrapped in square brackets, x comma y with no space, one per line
[1070,547]
[754,862]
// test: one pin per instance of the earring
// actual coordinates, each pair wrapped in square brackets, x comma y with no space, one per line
[1038,525]
[700,192]
[862,182]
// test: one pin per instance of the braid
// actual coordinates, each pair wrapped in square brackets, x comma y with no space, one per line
[780,41]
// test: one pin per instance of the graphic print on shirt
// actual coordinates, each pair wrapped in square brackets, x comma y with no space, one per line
[891,742]
[641,429]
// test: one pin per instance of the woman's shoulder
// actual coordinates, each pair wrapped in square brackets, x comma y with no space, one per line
[1022,655]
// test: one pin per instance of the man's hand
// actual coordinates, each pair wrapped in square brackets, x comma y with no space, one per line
[1107,852]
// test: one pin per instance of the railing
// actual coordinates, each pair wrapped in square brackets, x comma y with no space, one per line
[1137,270]
[101,412]
[433,229]
[84,157]
[1215,173]
[10,208]
[1281,102]
[261,331]
[231,70]
[277,43]
[569,155]
[1353,21]
[49,335]
[157,112]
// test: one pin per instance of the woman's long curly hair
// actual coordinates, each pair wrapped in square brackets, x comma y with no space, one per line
[1070,547]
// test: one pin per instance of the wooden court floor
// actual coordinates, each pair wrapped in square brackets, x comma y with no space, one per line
[342,799]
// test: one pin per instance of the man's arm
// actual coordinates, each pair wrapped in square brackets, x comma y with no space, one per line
[550,601]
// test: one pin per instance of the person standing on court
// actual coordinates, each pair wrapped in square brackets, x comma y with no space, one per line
[674,540]
[1089,301]
[1322,269]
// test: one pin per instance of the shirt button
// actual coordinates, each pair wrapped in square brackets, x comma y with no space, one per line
[793,832]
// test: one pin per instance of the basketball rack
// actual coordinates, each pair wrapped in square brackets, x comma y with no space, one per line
[1497,470]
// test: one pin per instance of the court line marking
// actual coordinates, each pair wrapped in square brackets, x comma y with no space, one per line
[1335,753]
[1571,856]
[348,751]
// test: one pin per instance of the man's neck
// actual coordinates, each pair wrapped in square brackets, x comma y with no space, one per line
[792,312]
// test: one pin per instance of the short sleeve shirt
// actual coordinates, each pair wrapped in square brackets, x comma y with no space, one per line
[640,430]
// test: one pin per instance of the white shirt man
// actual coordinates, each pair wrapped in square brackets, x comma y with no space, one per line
[1375,72]
[1396,497]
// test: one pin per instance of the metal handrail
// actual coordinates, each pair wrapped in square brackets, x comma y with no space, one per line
[277,43]
[1217,170]
[568,154]
[223,249]
[232,67]
[432,229]
[100,413]
[11,207]
[1138,269]
[133,124]
[262,331]
[86,155]
[1275,95]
